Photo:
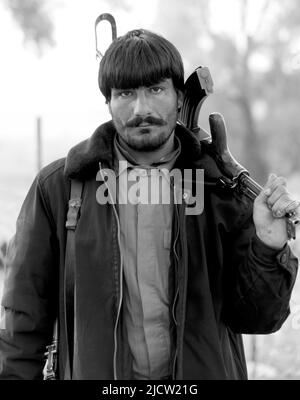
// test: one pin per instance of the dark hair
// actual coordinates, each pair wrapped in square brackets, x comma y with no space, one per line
[139,58]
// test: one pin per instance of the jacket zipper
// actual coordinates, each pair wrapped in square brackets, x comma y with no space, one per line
[121,297]
[177,289]
[178,340]
[177,261]
[121,281]
[174,306]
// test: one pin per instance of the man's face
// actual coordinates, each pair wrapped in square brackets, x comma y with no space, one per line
[146,116]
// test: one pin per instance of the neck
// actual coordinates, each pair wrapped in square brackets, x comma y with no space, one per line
[149,157]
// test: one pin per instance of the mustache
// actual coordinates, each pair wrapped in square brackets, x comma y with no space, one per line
[137,121]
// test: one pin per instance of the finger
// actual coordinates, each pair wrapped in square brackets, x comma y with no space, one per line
[276,194]
[279,208]
[292,206]
[279,181]
[267,188]
[275,182]
[263,195]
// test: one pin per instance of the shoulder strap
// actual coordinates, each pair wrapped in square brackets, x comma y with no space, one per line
[71,223]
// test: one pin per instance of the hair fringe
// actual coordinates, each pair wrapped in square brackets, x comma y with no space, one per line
[139,58]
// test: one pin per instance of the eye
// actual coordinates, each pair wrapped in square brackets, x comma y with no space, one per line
[156,89]
[125,93]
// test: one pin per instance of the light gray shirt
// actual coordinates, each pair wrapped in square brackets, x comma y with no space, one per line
[145,230]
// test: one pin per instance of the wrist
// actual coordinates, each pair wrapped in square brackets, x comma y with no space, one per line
[270,240]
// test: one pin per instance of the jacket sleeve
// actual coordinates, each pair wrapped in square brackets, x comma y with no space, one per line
[260,283]
[29,294]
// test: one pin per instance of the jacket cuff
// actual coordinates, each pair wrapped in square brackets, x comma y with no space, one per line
[267,254]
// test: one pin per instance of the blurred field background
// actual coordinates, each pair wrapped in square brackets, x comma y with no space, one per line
[48,84]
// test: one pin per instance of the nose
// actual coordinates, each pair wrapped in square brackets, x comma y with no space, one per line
[142,105]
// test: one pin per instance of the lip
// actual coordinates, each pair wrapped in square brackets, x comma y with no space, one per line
[144,124]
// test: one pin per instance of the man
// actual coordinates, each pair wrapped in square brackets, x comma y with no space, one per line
[159,293]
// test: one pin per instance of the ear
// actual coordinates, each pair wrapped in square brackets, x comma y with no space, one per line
[179,99]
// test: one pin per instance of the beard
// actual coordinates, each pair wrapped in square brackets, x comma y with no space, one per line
[147,141]
[145,134]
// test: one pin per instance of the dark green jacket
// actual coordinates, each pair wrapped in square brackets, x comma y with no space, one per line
[224,281]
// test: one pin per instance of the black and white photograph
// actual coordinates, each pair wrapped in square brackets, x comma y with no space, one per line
[149,192]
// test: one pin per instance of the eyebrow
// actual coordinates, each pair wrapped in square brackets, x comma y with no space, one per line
[162,81]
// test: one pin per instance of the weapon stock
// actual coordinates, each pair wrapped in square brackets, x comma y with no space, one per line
[234,174]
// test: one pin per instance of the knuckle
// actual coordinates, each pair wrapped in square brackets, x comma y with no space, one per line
[286,199]
[282,181]
[270,201]
[282,190]
[279,182]
[277,210]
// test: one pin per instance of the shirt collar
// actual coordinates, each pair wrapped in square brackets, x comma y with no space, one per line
[166,162]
